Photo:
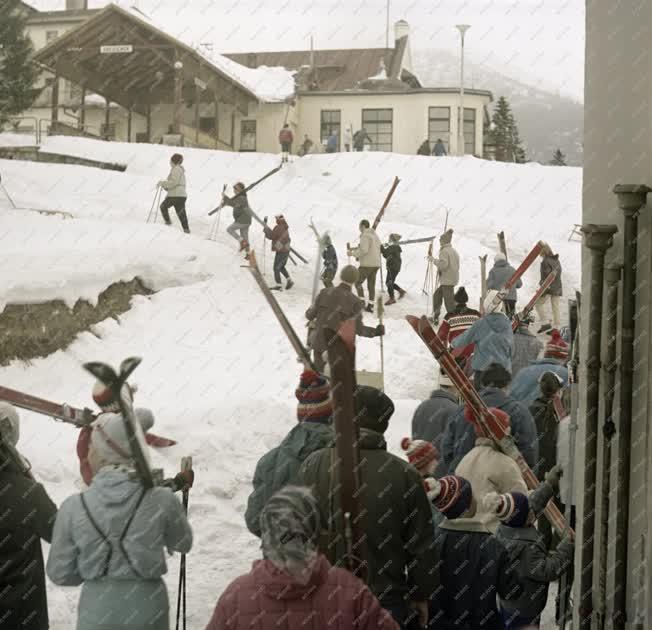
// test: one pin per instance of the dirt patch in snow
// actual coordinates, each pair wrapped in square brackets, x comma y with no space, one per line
[29,331]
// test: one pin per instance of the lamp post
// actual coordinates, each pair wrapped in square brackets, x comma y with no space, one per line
[462,28]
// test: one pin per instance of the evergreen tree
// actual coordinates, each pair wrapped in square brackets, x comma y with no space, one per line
[505,134]
[558,159]
[17,72]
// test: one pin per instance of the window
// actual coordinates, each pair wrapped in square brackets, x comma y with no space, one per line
[378,125]
[207,124]
[439,126]
[247,135]
[50,36]
[330,122]
[469,131]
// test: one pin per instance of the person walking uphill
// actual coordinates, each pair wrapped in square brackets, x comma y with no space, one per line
[498,276]
[549,262]
[112,538]
[241,216]
[280,237]
[294,586]
[28,516]
[392,253]
[175,186]
[448,272]
[368,255]
[285,139]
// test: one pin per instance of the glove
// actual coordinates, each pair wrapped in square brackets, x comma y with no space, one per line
[553,476]
[380,330]
[185,479]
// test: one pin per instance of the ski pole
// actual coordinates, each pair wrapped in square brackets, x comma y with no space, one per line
[219,214]
[11,201]
[186,464]
[154,203]
[264,248]
[381,309]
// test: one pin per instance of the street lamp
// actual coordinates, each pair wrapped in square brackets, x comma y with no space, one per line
[462,28]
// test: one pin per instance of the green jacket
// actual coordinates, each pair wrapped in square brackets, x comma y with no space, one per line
[280,466]
[400,540]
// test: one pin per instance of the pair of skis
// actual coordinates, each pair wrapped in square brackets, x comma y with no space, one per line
[528,308]
[247,189]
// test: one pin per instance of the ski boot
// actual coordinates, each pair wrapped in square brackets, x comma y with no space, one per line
[401,293]
[369,308]
[390,301]
[289,284]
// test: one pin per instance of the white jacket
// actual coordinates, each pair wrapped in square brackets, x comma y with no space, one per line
[348,136]
[368,251]
[175,184]
[489,470]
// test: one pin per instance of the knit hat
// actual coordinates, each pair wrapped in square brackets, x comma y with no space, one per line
[499,256]
[556,348]
[289,525]
[395,237]
[419,453]
[461,296]
[314,396]
[104,398]
[512,508]
[9,423]
[550,383]
[110,442]
[373,408]
[451,495]
[446,237]
[495,376]
[498,421]
[349,274]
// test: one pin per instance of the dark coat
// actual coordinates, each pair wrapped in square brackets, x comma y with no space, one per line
[280,466]
[474,567]
[330,259]
[498,276]
[527,347]
[534,566]
[548,264]
[424,148]
[279,235]
[392,253]
[358,139]
[431,418]
[459,437]
[397,520]
[525,384]
[439,149]
[241,209]
[547,424]
[332,306]
[28,516]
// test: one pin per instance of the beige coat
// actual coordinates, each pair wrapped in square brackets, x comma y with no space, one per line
[175,184]
[489,470]
[448,265]
[368,251]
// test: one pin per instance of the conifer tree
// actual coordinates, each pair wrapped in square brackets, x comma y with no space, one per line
[17,72]
[558,158]
[505,134]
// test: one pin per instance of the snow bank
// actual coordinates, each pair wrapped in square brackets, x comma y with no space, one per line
[8,139]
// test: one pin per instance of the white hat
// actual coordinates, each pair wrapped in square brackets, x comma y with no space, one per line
[110,442]
[9,423]
[499,256]
[490,306]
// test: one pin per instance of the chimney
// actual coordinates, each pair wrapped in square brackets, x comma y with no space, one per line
[401,30]
[76,5]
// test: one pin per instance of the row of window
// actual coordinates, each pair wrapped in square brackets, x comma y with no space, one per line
[378,124]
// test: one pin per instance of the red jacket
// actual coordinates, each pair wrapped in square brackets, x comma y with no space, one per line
[279,235]
[269,599]
[285,135]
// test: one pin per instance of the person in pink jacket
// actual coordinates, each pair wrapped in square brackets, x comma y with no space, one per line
[294,587]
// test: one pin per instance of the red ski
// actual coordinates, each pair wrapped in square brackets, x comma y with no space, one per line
[66,413]
[519,317]
[471,397]
[380,214]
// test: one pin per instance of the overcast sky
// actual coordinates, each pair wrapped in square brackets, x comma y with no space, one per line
[537,41]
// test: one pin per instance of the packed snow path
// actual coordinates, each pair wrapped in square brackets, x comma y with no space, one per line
[217,370]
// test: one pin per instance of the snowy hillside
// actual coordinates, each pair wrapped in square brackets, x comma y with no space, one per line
[217,371]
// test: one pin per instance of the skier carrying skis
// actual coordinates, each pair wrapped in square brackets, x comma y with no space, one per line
[448,272]
[368,255]
[280,237]
[175,186]
[285,139]
[28,516]
[329,256]
[333,306]
[112,537]
[549,262]
[392,253]
[498,276]
[241,216]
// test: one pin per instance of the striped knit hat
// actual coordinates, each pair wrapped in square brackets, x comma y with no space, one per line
[498,422]
[556,348]
[512,509]
[451,495]
[419,453]
[314,396]
[104,399]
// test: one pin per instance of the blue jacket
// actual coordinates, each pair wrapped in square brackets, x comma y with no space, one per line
[459,436]
[331,142]
[525,386]
[499,274]
[493,339]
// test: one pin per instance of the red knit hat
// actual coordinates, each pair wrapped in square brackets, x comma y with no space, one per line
[314,396]
[556,348]
[419,453]
[498,421]
[104,399]
[451,495]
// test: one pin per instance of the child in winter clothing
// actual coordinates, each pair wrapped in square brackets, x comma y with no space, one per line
[280,466]
[241,216]
[392,253]
[529,557]
[295,587]
[498,276]
[175,185]
[112,538]
[473,564]
[280,237]
[329,255]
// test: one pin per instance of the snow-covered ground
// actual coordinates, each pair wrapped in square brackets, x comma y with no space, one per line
[217,370]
